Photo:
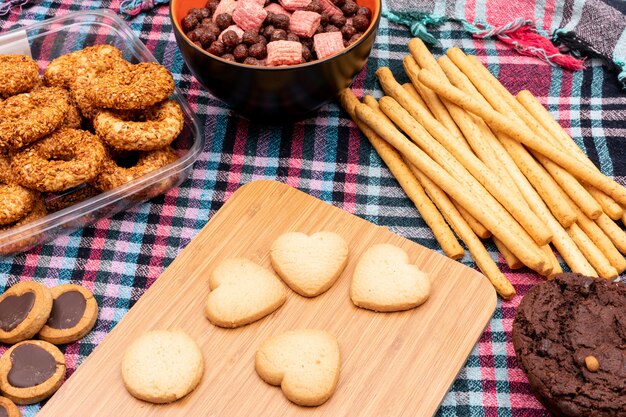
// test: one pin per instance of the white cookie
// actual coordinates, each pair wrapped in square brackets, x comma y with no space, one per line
[310,265]
[162,366]
[305,363]
[242,292]
[384,280]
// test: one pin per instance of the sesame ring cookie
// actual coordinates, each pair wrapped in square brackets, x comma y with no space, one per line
[31,371]
[27,117]
[61,201]
[64,69]
[61,161]
[158,127]
[131,87]
[24,309]
[15,201]
[115,173]
[39,210]
[73,117]
[18,73]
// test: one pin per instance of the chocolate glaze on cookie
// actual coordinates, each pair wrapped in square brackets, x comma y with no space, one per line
[3,411]
[561,322]
[31,365]
[67,310]
[14,309]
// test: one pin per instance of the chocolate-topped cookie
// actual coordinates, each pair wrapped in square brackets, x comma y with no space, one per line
[31,371]
[74,312]
[8,408]
[569,335]
[24,309]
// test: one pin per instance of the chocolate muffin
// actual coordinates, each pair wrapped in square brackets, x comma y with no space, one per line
[569,335]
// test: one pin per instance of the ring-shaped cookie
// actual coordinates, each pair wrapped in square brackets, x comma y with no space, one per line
[15,201]
[33,361]
[27,117]
[39,210]
[115,174]
[62,70]
[61,161]
[157,127]
[74,313]
[18,73]
[132,87]
[24,309]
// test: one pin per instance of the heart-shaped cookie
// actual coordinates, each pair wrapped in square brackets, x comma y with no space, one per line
[384,280]
[310,265]
[242,292]
[304,362]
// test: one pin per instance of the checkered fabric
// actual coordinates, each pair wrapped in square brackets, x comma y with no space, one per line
[118,258]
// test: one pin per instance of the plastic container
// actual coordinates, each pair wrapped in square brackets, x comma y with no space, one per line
[74,31]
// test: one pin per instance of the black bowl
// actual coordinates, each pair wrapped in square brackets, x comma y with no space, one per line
[274,94]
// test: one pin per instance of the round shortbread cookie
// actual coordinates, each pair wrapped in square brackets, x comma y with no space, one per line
[24,309]
[8,408]
[31,371]
[74,313]
[162,366]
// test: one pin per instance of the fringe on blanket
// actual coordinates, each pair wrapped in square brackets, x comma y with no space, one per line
[521,34]
[8,5]
[132,8]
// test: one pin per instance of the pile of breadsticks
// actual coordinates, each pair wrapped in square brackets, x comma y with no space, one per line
[475,158]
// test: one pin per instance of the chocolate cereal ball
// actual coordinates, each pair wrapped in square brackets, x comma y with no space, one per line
[229,57]
[278,35]
[212,5]
[213,28]
[338,3]
[360,23]
[267,32]
[331,28]
[216,48]
[258,50]
[348,31]
[189,23]
[251,61]
[250,37]
[280,21]
[364,11]
[240,52]
[293,37]
[314,6]
[224,20]
[338,20]
[230,39]
[306,54]
[206,38]
[349,8]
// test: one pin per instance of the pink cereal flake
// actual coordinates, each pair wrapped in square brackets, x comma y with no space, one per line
[304,24]
[329,8]
[327,44]
[295,4]
[284,53]
[249,15]
[277,9]
[225,6]
[258,2]
[239,31]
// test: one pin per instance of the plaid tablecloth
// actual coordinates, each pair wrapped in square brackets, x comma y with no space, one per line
[326,156]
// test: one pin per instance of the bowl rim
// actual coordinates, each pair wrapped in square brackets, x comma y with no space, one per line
[372,28]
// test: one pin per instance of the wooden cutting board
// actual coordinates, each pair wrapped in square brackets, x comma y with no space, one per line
[393,364]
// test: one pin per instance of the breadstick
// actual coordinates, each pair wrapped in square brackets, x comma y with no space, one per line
[522,134]
[522,213]
[448,161]
[407,181]
[613,231]
[592,253]
[600,240]
[419,51]
[543,116]
[480,230]
[511,260]
[432,100]
[474,245]
[561,240]
[474,129]
[506,103]
[556,266]
[527,254]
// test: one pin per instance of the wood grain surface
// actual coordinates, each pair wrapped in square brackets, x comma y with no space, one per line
[393,364]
